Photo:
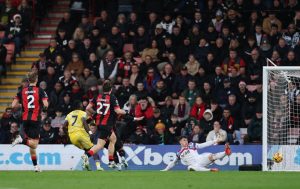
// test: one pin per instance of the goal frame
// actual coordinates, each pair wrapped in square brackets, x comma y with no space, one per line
[265,110]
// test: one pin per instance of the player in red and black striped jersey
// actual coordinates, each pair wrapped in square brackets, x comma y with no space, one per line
[33,100]
[107,109]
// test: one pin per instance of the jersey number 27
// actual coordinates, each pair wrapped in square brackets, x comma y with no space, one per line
[102,108]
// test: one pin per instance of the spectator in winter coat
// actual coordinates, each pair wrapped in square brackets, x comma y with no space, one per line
[76,65]
[52,51]
[192,65]
[108,66]
[124,91]
[87,80]
[116,41]
[291,37]
[7,137]
[48,134]
[103,48]
[3,53]
[206,123]
[182,110]
[15,32]
[191,92]
[198,108]
[255,128]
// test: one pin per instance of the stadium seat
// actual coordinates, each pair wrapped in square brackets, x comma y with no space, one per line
[95,20]
[10,52]
[128,47]
[2,34]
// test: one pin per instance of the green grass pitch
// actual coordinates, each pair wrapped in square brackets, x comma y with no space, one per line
[147,180]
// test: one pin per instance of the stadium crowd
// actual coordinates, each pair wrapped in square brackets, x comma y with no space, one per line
[189,67]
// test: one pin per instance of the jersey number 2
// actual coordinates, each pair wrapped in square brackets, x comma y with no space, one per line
[30,99]
[100,109]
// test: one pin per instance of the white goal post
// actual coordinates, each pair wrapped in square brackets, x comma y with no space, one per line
[281,117]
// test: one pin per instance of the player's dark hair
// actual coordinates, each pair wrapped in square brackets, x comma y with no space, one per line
[77,105]
[32,77]
[182,137]
[107,86]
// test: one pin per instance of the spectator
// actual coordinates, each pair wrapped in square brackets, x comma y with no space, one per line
[52,51]
[291,37]
[233,61]
[15,32]
[48,135]
[144,109]
[184,50]
[290,59]
[103,48]
[139,136]
[151,51]
[66,105]
[93,65]
[104,24]
[216,110]
[191,92]
[141,40]
[167,23]
[76,66]
[67,24]
[7,137]
[181,81]
[197,135]
[230,125]
[58,120]
[76,92]
[50,78]
[116,41]
[6,120]
[182,110]
[198,108]
[217,133]
[87,80]
[162,136]
[55,98]
[268,21]
[135,75]
[192,65]
[67,79]
[255,128]
[124,91]
[167,109]
[124,66]
[87,49]
[62,39]
[141,91]
[41,64]
[59,65]
[159,93]
[234,107]
[86,25]
[202,49]
[206,124]
[108,67]
[150,80]
[78,36]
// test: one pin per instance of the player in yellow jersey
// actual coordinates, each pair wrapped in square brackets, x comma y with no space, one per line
[78,131]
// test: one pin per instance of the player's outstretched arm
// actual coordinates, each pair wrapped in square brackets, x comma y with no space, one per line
[120,111]
[205,144]
[15,103]
[171,165]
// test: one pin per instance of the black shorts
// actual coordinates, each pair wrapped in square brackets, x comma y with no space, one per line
[31,129]
[105,132]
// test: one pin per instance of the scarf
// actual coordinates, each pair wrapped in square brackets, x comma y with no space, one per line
[181,110]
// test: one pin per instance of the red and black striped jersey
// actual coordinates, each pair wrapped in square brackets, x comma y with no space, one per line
[105,105]
[31,99]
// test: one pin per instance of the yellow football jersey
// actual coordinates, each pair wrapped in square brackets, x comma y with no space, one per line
[74,119]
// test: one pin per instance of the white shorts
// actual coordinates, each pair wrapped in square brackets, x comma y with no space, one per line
[203,160]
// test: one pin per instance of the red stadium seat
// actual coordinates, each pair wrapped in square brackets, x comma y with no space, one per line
[128,48]
[2,34]
[95,20]
[10,52]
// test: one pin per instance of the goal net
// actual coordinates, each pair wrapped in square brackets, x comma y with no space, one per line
[281,118]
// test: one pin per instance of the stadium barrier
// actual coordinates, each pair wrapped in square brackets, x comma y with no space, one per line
[139,157]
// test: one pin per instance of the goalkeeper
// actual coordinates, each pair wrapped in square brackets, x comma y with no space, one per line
[189,156]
